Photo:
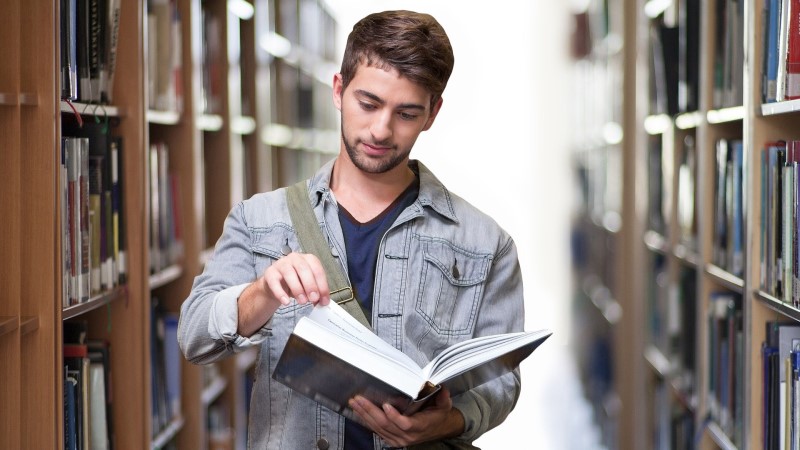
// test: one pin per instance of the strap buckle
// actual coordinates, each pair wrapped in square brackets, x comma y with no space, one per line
[347,288]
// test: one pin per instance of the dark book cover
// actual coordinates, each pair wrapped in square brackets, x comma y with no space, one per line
[69,48]
[332,382]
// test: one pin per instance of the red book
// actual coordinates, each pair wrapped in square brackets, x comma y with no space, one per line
[76,351]
[793,52]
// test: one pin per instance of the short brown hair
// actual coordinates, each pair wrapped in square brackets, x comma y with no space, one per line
[414,44]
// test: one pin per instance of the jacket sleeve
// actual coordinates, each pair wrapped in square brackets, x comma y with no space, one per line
[501,311]
[209,316]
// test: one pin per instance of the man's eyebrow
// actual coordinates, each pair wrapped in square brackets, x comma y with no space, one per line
[381,101]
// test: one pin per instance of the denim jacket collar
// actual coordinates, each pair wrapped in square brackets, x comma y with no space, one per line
[432,192]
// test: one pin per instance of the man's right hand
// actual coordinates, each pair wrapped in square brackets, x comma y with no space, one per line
[298,276]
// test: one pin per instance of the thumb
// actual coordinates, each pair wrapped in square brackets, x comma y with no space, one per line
[443,400]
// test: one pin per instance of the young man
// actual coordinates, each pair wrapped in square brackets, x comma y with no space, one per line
[428,268]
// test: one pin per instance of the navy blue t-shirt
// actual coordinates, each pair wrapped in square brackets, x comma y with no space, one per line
[361,242]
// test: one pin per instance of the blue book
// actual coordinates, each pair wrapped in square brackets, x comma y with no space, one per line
[738,217]
[70,428]
[771,31]
[172,361]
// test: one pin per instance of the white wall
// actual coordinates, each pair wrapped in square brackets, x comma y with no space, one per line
[500,141]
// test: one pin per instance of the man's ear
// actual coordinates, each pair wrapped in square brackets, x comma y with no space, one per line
[338,89]
[434,112]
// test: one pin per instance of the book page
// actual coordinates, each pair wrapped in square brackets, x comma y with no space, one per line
[469,354]
[334,341]
[338,321]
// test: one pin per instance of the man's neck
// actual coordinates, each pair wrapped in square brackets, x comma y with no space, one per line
[365,195]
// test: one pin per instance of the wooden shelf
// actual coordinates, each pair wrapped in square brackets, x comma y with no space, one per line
[168,434]
[656,242]
[243,125]
[719,437]
[95,302]
[28,325]
[726,115]
[210,122]
[658,362]
[162,117]
[689,120]
[8,325]
[165,276]
[90,109]
[601,298]
[657,124]
[777,108]
[725,278]
[214,390]
[687,255]
[778,305]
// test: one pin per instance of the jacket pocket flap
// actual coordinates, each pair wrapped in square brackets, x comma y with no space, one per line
[458,267]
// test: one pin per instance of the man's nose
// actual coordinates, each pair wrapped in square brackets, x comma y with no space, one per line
[381,128]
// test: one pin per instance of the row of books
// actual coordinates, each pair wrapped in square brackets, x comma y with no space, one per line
[781,50]
[687,188]
[166,237]
[90,30]
[164,58]
[93,223]
[674,423]
[675,58]
[88,418]
[728,81]
[165,367]
[656,204]
[214,78]
[728,239]
[781,388]
[726,363]
[672,320]
[780,206]
[659,191]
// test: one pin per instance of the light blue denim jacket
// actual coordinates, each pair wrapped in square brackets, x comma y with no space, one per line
[421,304]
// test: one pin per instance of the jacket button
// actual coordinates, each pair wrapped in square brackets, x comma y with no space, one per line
[323,444]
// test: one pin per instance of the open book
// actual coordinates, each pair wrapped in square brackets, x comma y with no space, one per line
[330,357]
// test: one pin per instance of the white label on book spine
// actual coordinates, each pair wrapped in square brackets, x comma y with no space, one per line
[792,85]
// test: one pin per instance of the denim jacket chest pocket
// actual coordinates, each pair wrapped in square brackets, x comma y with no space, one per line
[269,245]
[451,283]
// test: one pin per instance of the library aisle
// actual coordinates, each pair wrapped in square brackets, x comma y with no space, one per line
[552,412]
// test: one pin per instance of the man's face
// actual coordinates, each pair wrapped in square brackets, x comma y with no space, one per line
[382,116]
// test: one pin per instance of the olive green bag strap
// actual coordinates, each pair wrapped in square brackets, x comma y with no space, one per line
[311,240]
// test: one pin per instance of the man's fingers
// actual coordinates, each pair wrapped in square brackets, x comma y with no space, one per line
[320,278]
[300,276]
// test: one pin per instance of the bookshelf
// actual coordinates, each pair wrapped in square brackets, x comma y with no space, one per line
[708,224]
[607,309]
[210,159]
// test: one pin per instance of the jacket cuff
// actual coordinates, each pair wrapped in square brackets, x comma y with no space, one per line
[225,320]
[475,420]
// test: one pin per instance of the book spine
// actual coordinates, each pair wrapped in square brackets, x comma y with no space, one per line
[69,72]
[783,42]
[95,228]
[85,236]
[95,48]
[793,52]
[112,39]
[73,195]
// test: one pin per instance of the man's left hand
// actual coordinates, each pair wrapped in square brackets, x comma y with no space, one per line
[435,422]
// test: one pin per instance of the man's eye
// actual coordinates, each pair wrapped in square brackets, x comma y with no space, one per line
[367,106]
[408,116]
